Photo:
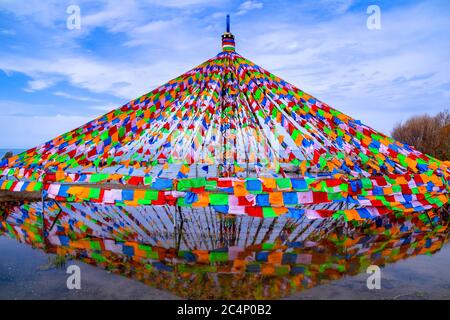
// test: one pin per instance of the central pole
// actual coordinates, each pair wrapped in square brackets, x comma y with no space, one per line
[228,23]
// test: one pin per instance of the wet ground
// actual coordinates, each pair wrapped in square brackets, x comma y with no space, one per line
[153,253]
[420,277]
[25,273]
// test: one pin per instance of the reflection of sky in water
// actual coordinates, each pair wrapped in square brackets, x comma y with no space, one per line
[198,254]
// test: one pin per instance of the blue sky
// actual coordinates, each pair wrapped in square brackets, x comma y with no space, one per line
[53,79]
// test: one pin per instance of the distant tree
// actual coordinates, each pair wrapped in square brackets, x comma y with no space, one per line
[7,155]
[428,134]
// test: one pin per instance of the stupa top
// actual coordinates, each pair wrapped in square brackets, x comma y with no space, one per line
[228,43]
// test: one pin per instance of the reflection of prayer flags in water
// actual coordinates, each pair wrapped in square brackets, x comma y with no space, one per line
[283,249]
[295,213]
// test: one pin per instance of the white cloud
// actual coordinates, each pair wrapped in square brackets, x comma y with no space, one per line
[185,3]
[220,14]
[75,97]
[156,26]
[104,108]
[8,32]
[125,80]
[38,84]
[156,31]
[380,77]
[28,132]
[249,5]
[113,16]
[31,109]
[338,6]
[25,125]
[42,13]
